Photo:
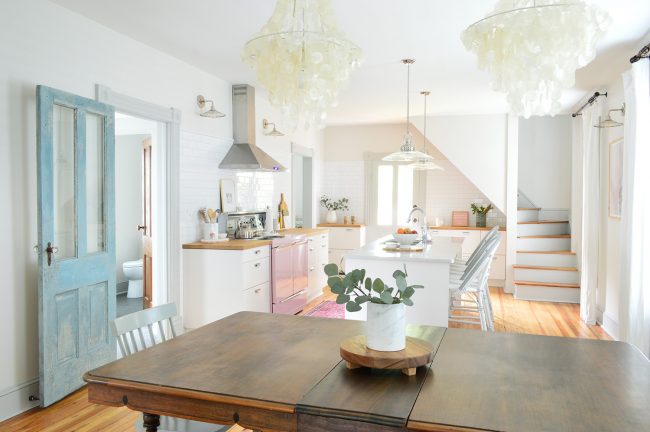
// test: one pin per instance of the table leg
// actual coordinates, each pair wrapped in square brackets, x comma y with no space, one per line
[150,422]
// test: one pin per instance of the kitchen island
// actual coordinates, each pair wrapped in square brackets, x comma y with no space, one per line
[429,267]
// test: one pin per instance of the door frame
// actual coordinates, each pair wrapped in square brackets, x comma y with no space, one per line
[169,184]
[302,151]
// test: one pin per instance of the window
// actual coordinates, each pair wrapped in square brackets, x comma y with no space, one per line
[392,188]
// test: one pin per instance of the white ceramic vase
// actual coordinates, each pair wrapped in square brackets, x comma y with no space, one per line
[386,327]
[331,216]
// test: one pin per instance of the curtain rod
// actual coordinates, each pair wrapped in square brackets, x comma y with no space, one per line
[643,53]
[589,102]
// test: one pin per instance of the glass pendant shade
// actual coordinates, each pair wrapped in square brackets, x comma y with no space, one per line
[302,59]
[407,152]
[532,49]
[427,163]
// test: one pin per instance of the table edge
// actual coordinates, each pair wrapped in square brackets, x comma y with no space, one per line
[93,380]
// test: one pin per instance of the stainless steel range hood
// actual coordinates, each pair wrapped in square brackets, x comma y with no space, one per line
[244,154]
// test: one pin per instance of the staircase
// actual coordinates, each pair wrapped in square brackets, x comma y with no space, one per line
[546,267]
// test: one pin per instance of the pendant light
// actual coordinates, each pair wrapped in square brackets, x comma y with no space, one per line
[407,152]
[425,164]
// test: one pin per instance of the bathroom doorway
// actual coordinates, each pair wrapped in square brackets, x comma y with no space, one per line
[136,227]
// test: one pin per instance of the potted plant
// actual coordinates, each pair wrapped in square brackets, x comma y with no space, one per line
[480,212]
[333,206]
[386,321]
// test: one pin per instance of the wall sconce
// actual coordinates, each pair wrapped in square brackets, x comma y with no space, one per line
[274,132]
[211,113]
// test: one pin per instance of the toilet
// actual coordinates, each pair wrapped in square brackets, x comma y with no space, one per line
[133,273]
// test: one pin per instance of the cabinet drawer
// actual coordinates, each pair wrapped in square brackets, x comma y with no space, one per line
[258,298]
[255,253]
[345,238]
[498,267]
[255,272]
[323,253]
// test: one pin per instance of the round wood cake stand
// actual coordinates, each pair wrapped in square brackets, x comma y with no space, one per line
[418,352]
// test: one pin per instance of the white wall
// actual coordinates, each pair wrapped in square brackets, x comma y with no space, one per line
[545,161]
[477,146]
[128,200]
[47,44]
[343,173]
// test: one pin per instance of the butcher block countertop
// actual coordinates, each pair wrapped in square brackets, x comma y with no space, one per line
[340,225]
[464,228]
[238,244]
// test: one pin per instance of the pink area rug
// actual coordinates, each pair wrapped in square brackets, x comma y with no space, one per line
[328,309]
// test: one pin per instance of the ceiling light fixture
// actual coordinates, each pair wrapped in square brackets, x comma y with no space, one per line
[425,164]
[407,152]
[274,132]
[609,122]
[211,113]
[532,48]
[302,59]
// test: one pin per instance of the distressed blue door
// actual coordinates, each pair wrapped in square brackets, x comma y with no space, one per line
[76,217]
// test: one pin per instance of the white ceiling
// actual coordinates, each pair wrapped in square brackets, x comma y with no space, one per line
[210,34]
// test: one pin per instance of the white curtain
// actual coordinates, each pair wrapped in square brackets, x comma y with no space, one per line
[634,313]
[590,213]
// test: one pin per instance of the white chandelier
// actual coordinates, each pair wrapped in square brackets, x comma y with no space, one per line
[302,59]
[532,48]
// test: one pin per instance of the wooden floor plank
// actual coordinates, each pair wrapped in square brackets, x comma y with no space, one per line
[75,413]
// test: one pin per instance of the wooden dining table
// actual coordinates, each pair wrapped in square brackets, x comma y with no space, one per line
[280,373]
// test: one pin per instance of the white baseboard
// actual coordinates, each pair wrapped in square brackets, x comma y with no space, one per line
[499,283]
[15,400]
[610,325]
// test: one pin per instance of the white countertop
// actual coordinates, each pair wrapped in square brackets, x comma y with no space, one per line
[440,250]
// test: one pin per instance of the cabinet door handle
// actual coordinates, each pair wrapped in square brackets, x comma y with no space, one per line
[311,249]
[349,229]
[312,268]
[257,264]
[465,232]
[257,252]
[323,245]
[258,290]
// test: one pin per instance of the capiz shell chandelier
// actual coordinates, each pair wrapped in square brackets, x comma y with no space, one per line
[532,48]
[302,59]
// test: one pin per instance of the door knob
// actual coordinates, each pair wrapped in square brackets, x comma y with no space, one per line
[142,228]
[50,250]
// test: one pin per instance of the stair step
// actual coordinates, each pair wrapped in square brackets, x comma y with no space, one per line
[561,252]
[547,284]
[543,222]
[545,236]
[536,267]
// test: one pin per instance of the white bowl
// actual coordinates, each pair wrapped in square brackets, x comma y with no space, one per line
[406,239]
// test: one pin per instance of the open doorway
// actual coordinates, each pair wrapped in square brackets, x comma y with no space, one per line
[137,230]
[302,181]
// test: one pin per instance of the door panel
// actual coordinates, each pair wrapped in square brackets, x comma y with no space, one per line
[76,220]
[301,267]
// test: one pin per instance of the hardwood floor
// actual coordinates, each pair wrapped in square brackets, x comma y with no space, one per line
[75,413]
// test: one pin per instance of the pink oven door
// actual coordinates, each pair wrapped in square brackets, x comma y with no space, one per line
[300,267]
[281,273]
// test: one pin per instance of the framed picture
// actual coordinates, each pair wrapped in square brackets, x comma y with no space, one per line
[615,178]
[228,199]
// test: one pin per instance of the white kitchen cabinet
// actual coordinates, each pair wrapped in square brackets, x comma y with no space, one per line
[344,239]
[318,258]
[218,283]
[471,240]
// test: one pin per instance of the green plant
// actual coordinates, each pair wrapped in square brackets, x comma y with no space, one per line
[331,204]
[354,288]
[482,209]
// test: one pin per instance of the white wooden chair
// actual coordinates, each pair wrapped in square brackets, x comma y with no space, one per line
[141,330]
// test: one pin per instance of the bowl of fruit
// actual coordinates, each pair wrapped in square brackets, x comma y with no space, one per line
[406,236]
